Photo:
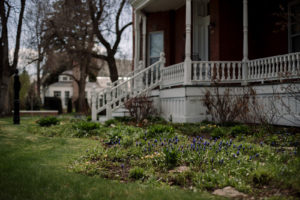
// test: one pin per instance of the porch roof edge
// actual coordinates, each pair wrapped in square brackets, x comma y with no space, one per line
[139,4]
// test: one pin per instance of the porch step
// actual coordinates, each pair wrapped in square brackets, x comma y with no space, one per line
[120,112]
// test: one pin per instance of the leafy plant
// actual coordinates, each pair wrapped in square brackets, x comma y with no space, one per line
[158,130]
[239,130]
[171,158]
[85,128]
[218,133]
[261,177]
[48,121]
[136,173]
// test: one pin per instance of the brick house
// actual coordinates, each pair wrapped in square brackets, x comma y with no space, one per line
[186,47]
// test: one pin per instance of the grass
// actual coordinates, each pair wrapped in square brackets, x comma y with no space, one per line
[34,166]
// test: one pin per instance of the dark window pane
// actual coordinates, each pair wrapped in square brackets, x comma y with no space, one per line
[296,44]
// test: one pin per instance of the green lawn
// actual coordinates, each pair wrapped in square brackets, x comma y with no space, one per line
[36,167]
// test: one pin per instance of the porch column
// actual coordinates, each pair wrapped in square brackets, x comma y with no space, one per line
[136,39]
[187,61]
[144,39]
[245,42]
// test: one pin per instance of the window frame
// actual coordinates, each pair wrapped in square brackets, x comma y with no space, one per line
[149,43]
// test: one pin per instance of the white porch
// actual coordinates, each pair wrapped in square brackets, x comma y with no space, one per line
[178,90]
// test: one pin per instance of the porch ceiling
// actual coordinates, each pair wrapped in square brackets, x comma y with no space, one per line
[163,5]
[151,6]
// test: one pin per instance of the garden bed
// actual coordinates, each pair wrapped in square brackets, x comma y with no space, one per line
[258,161]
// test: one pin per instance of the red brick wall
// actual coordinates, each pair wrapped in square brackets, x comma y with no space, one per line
[226,35]
[161,21]
[179,39]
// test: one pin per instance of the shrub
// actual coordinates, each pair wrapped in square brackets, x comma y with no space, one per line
[261,177]
[140,108]
[136,173]
[171,158]
[48,121]
[227,106]
[159,129]
[240,129]
[85,128]
[110,122]
[218,133]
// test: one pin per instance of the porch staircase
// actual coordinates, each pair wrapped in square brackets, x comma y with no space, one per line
[112,99]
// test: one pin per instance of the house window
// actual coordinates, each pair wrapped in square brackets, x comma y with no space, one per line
[57,93]
[156,45]
[294,26]
[67,96]
[65,78]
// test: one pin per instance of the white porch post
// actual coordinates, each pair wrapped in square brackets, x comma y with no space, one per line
[187,61]
[245,42]
[136,39]
[144,39]
[94,109]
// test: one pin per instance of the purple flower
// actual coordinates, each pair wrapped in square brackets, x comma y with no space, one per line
[122,166]
[257,155]
[238,153]
[238,161]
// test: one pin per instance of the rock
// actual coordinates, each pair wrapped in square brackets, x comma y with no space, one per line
[179,169]
[229,192]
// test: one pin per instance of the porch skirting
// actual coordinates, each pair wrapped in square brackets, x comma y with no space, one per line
[186,104]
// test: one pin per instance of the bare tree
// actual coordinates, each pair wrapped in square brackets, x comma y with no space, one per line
[6,68]
[69,30]
[35,22]
[109,27]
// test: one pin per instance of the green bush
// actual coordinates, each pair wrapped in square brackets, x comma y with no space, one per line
[171,158]
[136,173]
[261,177]
[218,133]
[240,129]
[89,118]
[159,129]
[85,128]
[48,121]
[110,122]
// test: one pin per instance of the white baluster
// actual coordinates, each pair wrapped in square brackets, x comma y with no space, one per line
[207,71]
[272,67]
[218,72]
[234,71]
[223,71]
[293,64]
[297,69]
[228,71]
[289,64]
[239,71]
[194,71]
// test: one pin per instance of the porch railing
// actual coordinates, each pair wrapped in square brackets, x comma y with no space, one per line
[173,75]
[273,68]
[202,73]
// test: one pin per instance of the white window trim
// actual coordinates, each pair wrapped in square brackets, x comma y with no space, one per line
[148,48]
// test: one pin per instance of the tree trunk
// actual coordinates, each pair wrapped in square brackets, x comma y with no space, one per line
[113,71]
[38,73]
[81,103]
[5,108]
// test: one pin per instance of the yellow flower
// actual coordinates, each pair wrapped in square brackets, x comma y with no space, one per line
[105,156]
